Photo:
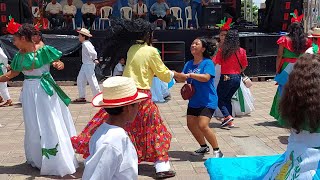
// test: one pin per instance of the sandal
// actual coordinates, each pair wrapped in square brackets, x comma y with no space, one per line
[80,100]
[1,100]
[7,104]
[165,174]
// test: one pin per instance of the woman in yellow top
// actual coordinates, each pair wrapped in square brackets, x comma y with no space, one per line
[148,132]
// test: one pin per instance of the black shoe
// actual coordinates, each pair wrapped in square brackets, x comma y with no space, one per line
[165,174]
[201,151]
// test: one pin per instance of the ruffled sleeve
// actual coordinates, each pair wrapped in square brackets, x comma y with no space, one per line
[285,42]
[31,60]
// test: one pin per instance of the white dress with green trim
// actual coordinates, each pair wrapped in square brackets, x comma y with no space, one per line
[47,119]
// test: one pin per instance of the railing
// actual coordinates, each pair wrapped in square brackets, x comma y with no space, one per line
[311,14]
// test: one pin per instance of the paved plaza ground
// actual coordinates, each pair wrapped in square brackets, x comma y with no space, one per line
[255,134]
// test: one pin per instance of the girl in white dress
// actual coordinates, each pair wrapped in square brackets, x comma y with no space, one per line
[4,93]
[48,122]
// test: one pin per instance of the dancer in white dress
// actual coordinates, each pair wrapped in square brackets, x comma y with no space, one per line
[48,122]
[4,92]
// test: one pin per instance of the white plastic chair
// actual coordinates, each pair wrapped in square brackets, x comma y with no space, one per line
[126,13]
[176,12]
[188,14]
[73,24]
[105,13]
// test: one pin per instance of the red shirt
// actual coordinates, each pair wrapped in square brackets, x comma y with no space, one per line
[231,65]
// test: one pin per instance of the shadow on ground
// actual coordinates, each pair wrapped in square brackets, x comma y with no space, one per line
[26,169]
[269,123]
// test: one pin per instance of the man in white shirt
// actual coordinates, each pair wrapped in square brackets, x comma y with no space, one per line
[69,11]
[140,10]
[54,14]
[88,11]
[159,10]
[87,74]
[112,154]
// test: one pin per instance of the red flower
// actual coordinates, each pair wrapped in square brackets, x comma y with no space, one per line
[12,26]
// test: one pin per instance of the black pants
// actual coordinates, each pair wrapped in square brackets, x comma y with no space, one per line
[153,18]
[56,20]
[88,19]
[68,21]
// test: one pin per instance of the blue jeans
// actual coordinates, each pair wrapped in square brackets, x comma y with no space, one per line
[196,8]
[226,89]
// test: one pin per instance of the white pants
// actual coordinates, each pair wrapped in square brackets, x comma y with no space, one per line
[162,166]
[87,74]
[4,92]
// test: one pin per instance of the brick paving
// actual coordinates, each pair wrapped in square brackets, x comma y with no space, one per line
[255,134]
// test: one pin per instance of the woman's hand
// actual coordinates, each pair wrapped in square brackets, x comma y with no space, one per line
[8,67]
[180,77]
[58,65]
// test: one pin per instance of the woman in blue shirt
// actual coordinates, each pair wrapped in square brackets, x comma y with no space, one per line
[200,72]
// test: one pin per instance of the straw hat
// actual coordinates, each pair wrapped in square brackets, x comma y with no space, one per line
[85,32]
[315,33]
[118,91]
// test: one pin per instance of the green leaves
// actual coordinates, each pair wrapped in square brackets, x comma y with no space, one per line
[48,152]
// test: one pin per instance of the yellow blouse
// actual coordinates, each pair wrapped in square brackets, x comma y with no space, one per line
[143,62]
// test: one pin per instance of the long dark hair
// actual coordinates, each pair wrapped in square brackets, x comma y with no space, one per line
[123,34]
[26,31]
[298,37]
[231,44]
[210,44]
[299,105]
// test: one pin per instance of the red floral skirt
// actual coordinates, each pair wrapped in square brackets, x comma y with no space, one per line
[81,142]
[147,132]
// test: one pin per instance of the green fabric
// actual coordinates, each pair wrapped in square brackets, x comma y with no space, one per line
[315,48]
[1,72]
[49,86]
[274,112]
[289,54]
[241,100]
[28,61]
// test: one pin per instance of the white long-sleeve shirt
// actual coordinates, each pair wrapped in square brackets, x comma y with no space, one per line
[69,9]
[88,9]
[112,155]
[3,57]
[89,54]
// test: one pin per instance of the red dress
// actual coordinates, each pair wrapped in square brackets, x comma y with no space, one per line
[147,132]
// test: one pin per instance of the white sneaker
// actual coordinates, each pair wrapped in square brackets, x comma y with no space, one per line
[217,154]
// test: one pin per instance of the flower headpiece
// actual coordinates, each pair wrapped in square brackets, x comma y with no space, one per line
[225,25]
[37,26]
[12,26]
[296,17]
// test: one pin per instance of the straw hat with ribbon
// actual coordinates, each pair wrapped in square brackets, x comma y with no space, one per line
[315,33]
[118,91]
[85,32]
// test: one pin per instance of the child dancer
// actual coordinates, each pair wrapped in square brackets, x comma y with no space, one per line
[4,93]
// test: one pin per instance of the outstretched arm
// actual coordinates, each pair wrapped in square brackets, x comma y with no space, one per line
[58,64]
[9,75]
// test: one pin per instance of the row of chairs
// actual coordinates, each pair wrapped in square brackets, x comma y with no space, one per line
[126,13]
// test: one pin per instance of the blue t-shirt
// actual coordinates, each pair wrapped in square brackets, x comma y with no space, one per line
[205,93]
